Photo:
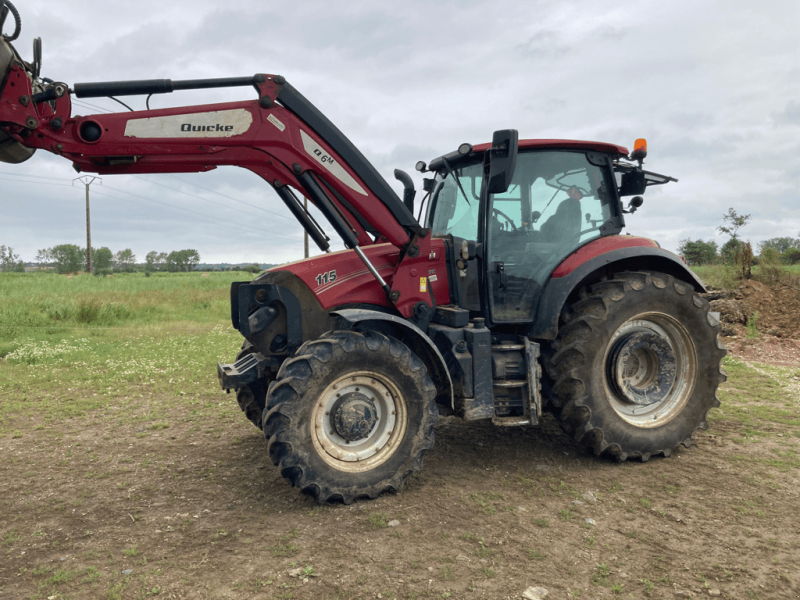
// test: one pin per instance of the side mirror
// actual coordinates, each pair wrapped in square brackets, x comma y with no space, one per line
[535,216]
[635,203]
[502,160]
[633,183]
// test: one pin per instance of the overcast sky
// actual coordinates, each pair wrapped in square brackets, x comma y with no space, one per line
[714,87]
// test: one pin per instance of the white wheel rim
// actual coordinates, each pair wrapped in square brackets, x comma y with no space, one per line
[381,442]
[680,342]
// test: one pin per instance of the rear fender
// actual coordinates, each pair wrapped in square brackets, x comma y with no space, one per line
[408,333]
[572,273]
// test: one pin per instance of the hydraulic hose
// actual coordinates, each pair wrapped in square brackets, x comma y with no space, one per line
[17,19]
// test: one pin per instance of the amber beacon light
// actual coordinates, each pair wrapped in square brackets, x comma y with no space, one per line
[639,150]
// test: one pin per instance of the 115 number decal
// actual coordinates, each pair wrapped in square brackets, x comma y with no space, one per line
[328,277]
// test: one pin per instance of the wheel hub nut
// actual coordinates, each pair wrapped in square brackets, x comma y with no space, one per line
[354,416]
[643,368]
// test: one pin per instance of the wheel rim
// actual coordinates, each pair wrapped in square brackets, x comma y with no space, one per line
[650,369]
[358,421]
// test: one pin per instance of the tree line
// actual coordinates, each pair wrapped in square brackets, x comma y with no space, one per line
[69,258]
[10,262]
[706,252]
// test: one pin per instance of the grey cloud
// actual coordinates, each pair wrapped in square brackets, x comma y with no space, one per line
[790,115]
[411,82]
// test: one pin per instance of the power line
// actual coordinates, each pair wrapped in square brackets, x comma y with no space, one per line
[34,176]
[210,201]
[87,105]
[211,220]
[228,197]
[160,203]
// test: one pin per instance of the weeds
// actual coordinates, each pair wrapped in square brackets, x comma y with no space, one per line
[541,522]
[377,520]
[534,554]
[600,575]
[283,547]
[752,325]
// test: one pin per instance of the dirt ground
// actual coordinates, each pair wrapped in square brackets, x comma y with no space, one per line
[91,510]
[772,310]
[189,506]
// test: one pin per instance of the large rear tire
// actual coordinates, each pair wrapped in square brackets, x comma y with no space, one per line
[350,415]
[636,365]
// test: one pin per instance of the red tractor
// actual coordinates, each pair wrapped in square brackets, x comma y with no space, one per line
[349,357]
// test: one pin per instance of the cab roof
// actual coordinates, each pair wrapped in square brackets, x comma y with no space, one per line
[571,144]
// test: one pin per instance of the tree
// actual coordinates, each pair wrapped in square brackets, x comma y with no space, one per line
[44,256]
[735,222]
[20,268]
[124,260]
[698,252]
[150,261]
[781,244]
[729,249]
[8,260]
[102,259]
[182,260]
[68,258]
[791,256]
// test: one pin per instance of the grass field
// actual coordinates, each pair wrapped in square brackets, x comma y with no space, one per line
[727,277]
[127,474]
[89,339]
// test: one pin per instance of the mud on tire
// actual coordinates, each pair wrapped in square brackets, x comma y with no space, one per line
[635,366]
[252,398]
[312,434]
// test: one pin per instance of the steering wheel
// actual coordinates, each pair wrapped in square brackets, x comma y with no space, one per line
[505,216]
[13,10]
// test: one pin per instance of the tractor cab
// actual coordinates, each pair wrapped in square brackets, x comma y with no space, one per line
[561,195]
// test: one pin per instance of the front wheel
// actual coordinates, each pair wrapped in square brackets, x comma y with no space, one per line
[252,397]
[350,415]
[636,365]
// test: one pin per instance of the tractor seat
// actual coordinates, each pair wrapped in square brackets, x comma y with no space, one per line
[565,225]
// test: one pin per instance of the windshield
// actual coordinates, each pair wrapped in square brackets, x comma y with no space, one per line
[454,209]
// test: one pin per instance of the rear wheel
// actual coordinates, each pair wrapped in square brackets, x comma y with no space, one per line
[636,365]
[350,415]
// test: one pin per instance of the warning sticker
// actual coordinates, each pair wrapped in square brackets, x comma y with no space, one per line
[275,121]
[423,284]
[432,278]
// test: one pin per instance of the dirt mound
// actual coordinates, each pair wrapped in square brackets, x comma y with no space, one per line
[775,310]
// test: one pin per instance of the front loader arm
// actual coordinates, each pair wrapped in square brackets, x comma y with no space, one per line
[260,135]
[280,136]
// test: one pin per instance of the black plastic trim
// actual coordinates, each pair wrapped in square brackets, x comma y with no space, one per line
[247,297]
[351,317]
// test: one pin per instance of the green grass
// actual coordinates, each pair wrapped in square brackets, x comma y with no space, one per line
[377,520]
[162,333]
[754,399]
[729,277]
[44,300]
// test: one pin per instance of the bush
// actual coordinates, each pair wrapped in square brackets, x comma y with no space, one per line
[88,311]
[791,256]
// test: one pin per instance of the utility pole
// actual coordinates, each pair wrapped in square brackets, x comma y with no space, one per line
[305,233]
[87,181]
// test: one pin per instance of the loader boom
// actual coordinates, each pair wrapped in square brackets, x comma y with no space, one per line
[280,136]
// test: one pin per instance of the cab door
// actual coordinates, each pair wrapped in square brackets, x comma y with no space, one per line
[454,214]
[558,201]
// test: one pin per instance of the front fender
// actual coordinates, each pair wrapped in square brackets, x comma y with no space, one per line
[583,263]
[408,333]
